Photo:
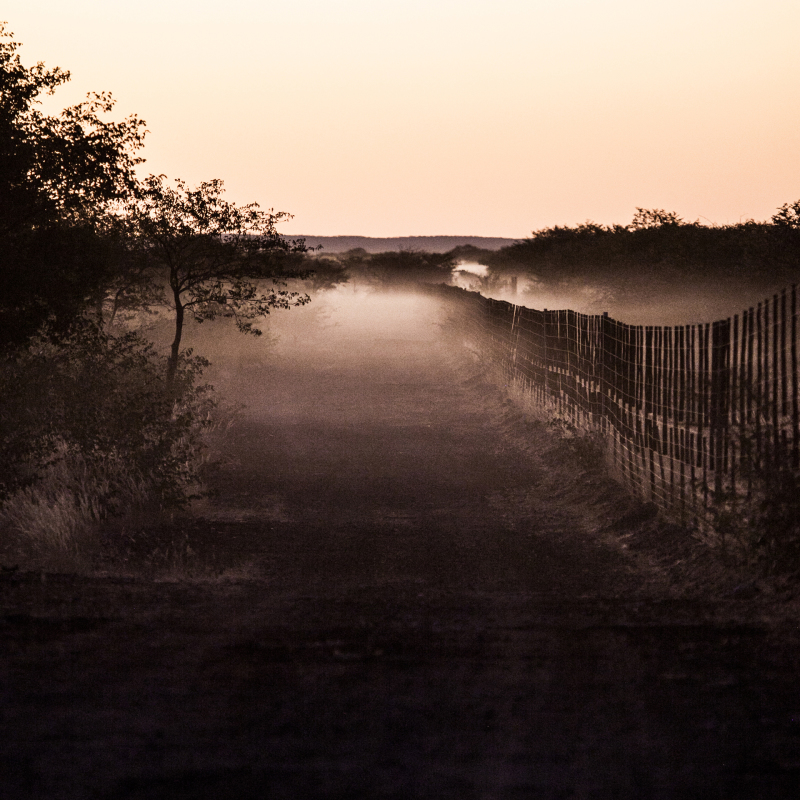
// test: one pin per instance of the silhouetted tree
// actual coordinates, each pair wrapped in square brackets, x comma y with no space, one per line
[212,257]
[788,216]
[58,177]
[399,267]
[654,218]
[657,252]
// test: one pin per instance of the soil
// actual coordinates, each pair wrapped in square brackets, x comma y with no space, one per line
[404,587]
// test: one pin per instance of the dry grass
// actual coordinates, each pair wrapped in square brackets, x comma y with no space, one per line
[84,515]
[671,553]
[57,520]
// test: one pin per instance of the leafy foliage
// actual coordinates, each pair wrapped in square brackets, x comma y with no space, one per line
[104,398]
[788,216]
[646,218]
[59,176]
[400,267]
[759,523]
[657,252]
[212,256]
[88,425]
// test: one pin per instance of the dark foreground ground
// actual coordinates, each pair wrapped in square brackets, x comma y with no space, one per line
[404,589]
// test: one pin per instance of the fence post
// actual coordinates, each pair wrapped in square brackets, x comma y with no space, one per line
[714,404]
[605,359]
[795,387]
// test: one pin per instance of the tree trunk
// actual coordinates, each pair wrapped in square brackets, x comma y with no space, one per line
[172,363]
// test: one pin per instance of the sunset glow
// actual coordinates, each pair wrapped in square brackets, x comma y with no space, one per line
[444,117]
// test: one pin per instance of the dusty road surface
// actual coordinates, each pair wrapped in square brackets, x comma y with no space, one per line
[405,588]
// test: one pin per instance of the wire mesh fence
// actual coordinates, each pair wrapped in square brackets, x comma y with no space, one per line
[695,416]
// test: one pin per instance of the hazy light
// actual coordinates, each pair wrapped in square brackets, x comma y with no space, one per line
[444,117]
[473,268]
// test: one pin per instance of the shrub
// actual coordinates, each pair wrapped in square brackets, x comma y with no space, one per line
[89,427]
[60,512]
[758,522]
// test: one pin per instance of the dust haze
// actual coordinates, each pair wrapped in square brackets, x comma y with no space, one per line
[359,331]
[406,588]
[653,304]
[346,331]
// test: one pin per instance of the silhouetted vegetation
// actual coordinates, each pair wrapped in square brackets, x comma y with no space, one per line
[336,245]
[94,421]
[91,432]
[398,268]
[211,255]
[104,397]
[60,177]
[656,261]
[325,273]
[658,254]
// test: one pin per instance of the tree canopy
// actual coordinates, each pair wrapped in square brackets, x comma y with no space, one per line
[58,177]
[212,257]
[80,230]
[659,249]
[399,267]
[80,233]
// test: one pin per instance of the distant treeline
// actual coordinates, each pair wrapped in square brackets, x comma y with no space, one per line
[431,244]
[656,253]
[658,249]
[390,268]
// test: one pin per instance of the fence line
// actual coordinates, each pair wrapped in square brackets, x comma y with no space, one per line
[696,416]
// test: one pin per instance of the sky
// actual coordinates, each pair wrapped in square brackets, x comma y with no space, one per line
[448,117]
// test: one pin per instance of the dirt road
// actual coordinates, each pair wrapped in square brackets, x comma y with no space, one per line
[404,589]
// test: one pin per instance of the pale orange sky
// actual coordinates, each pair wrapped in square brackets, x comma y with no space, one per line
[469,117]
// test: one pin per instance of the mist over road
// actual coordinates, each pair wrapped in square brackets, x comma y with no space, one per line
[427,596]
[392,461]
